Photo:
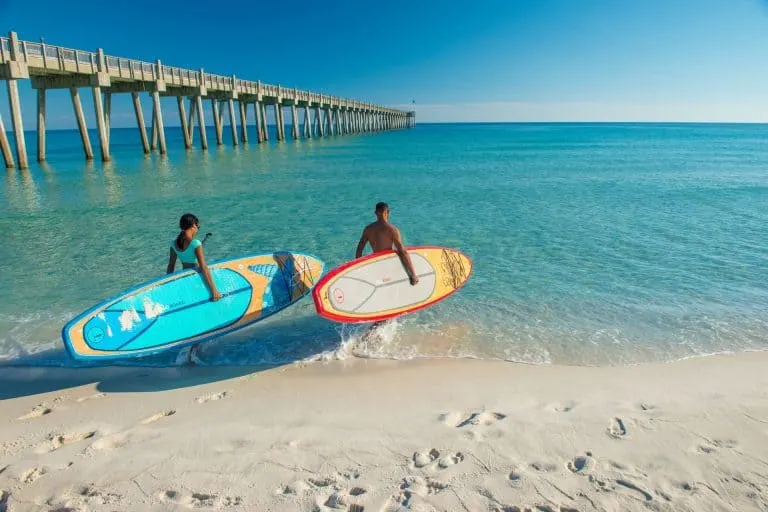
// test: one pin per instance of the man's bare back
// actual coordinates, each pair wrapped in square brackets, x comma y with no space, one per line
[383,236]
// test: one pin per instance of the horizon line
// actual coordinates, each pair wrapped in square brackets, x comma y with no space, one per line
[34,130]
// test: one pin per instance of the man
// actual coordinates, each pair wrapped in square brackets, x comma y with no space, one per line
[383,236]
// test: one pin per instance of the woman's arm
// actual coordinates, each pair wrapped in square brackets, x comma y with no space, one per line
[171,262]
[215,295]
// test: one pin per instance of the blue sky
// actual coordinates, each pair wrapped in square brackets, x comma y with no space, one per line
[488,60]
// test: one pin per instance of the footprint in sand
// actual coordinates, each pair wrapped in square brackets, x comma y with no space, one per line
[617,429]
[421,459]
[158,416]
[581,464]
[91,495]
[514,477]
[212,397]
[713,445]
[343,496]
[294,488]
[481,418]
[56,441]
[422,486]
[433,458]
[200,500]
[565,406]
[31,475]
[36,412]
[339,500]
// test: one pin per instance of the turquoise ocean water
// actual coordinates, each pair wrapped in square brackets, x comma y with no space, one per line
[592,243]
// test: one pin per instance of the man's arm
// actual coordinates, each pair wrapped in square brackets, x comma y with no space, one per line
[361,244]
[405,259]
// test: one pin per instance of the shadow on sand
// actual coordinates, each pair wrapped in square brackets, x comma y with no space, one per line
[222,359]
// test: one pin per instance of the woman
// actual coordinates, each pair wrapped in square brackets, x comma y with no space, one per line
[189,250]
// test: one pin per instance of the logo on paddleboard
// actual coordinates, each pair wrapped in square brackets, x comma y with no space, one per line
[95,335]
[338,295]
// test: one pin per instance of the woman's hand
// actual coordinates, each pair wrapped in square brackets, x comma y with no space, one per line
[216,296]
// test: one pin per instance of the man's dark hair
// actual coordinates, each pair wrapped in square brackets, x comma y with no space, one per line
[382,206]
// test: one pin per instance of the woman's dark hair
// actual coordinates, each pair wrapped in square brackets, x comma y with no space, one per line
[185,222]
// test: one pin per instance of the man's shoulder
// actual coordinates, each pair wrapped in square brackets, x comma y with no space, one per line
[392,228]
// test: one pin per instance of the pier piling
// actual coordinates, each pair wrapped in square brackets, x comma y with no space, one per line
[5,147]
[41,125]
[84,137]
[185,131]
[140,122]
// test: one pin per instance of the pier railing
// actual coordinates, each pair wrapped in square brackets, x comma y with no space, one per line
[58,58]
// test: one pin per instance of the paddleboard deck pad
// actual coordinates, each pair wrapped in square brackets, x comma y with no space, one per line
[376,287]
[176,310]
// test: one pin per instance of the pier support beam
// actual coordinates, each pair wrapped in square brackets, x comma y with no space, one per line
[328,121]
[5,147]
[41,125]
[319,119]
[243,120]
[307,123]
[259,126]
[153,142]
[75,94]
[217,122]
[159,121]
[279,120]
[108,114]
[264,121]
[140,121]
[232,122]
[98,109]
[191,121]
[185,131]
[201,122]
[294,122]
[18,125]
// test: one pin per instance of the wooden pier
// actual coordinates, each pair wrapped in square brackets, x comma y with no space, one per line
[55,67]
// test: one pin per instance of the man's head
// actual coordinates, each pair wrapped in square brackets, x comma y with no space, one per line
[382,211]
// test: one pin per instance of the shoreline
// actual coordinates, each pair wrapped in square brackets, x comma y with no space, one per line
[388,435]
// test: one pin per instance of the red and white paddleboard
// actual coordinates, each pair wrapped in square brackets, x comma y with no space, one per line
[376,287]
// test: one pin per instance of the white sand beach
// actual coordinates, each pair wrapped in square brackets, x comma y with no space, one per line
[369,436]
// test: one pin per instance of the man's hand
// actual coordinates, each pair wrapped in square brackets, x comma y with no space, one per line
[414,280]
